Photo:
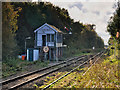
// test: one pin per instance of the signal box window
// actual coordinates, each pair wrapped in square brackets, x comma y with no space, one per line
[48,37]
[52,37]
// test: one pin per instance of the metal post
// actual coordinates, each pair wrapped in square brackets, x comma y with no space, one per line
[25,46]
[57,54]
[45,56]
[118,50]
[115,49]
[55,38]
[117,36]
[26,43]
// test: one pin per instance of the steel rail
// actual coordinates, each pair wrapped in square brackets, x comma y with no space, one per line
[94,63]
[30,73]
[71,71]
[40,76]
[44,74]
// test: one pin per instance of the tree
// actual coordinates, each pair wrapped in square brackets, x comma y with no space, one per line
[114,23]
[9,27]
[34,15]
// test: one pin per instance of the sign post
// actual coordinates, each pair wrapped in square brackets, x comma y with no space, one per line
[117,36]
[26,43]
[45,49]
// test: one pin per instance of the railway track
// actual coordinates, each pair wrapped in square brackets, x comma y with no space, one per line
[21,80]
[95,58]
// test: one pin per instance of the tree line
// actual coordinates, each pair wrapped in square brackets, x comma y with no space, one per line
[20,19]
[114,24]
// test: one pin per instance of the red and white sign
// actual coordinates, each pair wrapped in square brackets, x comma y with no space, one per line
[66,28]
[45,49]
[117,35]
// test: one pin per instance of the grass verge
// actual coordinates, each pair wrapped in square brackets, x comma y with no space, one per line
[13,65]
[101,75]
[104,74]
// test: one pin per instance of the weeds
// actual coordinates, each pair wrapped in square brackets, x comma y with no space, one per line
[13,65]
[102,75]
[71,52]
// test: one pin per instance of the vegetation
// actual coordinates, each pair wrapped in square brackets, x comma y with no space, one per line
[20,19]
[34,15]
[104,74]
[71,52]
[13,66]
[114,28]
[9,27]
[114,23]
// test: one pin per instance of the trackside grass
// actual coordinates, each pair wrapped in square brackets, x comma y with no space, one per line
[104,74]
[14,66]
[101,75]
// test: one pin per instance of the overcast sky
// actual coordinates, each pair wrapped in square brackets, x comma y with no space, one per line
[95,12]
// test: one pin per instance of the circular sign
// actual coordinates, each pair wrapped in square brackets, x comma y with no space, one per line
[46,49]
[117,35]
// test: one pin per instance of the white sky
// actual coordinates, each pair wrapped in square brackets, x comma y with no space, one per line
[95,12]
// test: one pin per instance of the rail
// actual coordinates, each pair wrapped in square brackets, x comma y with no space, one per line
[101,53]
[67,63]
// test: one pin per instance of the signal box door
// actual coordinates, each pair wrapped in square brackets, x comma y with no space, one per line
[43,40]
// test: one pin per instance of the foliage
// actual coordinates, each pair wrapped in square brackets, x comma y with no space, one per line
[91,39]
[34,15]
[114,23]
[12,65]
[20,19]
[71,52]
[102,75]
[9,27]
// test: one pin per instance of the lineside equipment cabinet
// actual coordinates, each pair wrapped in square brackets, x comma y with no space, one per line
[32,54]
